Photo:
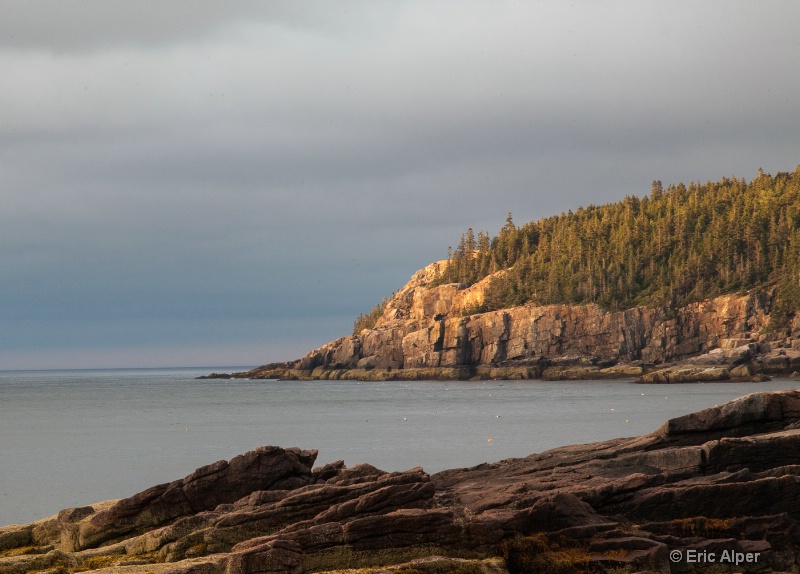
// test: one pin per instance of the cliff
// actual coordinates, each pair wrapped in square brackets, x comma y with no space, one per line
[430,332]
[713,491]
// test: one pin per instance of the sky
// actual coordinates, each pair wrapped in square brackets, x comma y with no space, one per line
[204,183]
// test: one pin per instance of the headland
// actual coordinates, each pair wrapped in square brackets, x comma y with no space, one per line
[426,332]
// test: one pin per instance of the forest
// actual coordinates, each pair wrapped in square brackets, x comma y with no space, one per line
[671,247]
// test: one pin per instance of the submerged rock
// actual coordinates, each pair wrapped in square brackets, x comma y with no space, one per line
[722,481]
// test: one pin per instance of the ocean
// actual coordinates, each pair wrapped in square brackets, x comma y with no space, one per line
[70,438]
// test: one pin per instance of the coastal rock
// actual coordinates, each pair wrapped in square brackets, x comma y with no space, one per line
[685,374]
[725,480]
[436,565]
[780,360]
[222,482]
[428,326]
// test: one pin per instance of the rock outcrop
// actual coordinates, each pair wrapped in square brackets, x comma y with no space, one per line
[433,332]
[713,491]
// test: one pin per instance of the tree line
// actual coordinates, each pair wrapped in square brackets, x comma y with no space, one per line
[676,246]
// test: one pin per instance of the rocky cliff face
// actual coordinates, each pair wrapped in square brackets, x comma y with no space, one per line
[431,332]
[713,491]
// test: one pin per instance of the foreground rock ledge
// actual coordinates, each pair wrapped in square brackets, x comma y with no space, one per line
[721,483]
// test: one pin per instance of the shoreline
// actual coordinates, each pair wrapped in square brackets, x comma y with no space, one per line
[664,374]
[736,360]
[724,479]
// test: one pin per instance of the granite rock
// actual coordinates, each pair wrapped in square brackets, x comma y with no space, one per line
[435,328]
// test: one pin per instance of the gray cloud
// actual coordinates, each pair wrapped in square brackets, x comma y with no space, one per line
[171,171]
[92,25]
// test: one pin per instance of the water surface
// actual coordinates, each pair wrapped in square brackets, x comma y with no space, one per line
[69,438]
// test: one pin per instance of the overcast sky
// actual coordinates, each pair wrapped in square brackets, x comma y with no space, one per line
[230,183]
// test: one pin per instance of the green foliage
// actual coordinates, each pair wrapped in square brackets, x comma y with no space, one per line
[369,320]
[471,260]
[787,291]
[678,245]
[473,310]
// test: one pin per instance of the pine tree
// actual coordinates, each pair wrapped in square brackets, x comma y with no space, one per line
[677,245]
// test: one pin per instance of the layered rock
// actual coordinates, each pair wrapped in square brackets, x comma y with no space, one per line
[724,481]
[429,331]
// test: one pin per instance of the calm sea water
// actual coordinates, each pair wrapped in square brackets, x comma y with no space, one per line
[70,438]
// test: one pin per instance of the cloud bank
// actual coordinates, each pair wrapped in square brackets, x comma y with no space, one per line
[245,179]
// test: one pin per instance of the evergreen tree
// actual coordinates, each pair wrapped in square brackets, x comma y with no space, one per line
[675,246]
